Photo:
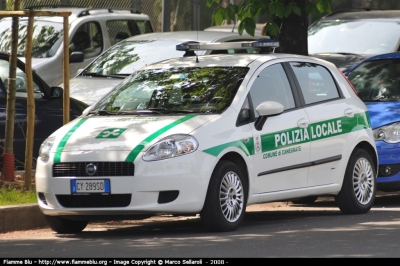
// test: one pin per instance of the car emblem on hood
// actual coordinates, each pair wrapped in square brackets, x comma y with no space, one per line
[91,169]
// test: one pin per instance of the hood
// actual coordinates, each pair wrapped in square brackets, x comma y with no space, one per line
[36,62]
[89,89]
[383,113]
[124,133]
[342,61]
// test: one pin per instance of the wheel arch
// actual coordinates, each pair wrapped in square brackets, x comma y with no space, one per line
[237,159]
[368,147]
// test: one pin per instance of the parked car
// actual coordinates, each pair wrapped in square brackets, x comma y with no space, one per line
[146,148]
[48,110]
[377,81]
[121,60]
[91,31]
[347,37]
[234,28]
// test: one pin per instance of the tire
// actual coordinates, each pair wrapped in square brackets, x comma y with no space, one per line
[359,184]
[226,199]
[305,200]
[65,226]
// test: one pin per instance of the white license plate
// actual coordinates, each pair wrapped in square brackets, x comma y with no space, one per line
[79,186]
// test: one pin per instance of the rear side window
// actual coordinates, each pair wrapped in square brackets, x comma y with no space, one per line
[119,30]
[316,82]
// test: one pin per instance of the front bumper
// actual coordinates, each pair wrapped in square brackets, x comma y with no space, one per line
[389,166]
[177,185]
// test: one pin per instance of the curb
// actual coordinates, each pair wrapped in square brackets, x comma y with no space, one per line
[21,217]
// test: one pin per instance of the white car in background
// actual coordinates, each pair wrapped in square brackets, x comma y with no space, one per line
[91,31]
[129,55]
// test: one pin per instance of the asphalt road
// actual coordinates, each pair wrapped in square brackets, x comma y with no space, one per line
[273,230]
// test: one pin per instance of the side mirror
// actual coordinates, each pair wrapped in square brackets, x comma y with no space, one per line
[56,92]
[76,57]
[266,109]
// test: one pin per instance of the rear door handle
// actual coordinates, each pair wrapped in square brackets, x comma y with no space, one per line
[349,112]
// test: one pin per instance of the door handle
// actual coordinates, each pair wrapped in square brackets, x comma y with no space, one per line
[349,112]
[303,123]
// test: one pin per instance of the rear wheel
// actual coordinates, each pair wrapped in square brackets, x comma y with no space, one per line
[225,203]
[65,226]
[359,184]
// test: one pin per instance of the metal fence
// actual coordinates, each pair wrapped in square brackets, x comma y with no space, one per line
[178,15]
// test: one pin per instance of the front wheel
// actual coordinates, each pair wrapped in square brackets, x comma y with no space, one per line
[359,184]
[65,226]
[225,203]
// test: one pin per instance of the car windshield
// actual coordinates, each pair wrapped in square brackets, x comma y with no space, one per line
[354,37]
[377,80]
[174,90]
[47,37]
[127,56]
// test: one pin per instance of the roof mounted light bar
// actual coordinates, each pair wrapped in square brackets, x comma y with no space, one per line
[266,46]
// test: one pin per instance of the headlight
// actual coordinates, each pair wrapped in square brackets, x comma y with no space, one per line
[389,133]
[45,148]
[171,146]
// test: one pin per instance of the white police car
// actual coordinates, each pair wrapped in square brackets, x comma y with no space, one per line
[284,127]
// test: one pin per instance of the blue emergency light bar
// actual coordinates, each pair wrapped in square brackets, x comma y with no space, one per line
[259,44]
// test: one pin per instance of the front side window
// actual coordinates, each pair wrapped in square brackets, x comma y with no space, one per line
[175,90]
[272,85]
[377,80]
[316,82]
[87,39]
[46,39]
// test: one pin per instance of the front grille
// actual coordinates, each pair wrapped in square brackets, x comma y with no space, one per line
[94,201]
[78,169]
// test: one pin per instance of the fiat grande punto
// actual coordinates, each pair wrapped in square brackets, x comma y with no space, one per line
[284,127]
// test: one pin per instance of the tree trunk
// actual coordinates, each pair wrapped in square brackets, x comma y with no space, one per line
[30,127]
[8,155]
[293,34]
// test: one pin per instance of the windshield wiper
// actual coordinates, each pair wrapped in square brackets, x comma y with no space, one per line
[102,112]
[341,53]
[170,111]
[154,111]
[94,74]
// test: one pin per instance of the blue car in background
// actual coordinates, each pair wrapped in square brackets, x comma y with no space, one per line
[377,81]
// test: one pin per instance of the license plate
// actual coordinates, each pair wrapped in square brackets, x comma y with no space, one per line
[79,186]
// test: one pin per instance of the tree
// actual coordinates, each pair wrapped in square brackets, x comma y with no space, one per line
[288,19]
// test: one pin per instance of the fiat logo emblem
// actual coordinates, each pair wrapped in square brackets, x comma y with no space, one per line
[91,169]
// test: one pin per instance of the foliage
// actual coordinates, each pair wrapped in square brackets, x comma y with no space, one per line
[13,195]
[248,10]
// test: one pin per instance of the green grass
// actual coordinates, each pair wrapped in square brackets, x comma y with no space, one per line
[10,195]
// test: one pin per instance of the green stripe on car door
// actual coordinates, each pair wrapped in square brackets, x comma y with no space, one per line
[63,142]
[135,152]
[297,136]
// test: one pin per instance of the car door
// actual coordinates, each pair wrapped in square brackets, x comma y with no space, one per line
[330,119]
[48,112]
[88,39]
[282,147]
